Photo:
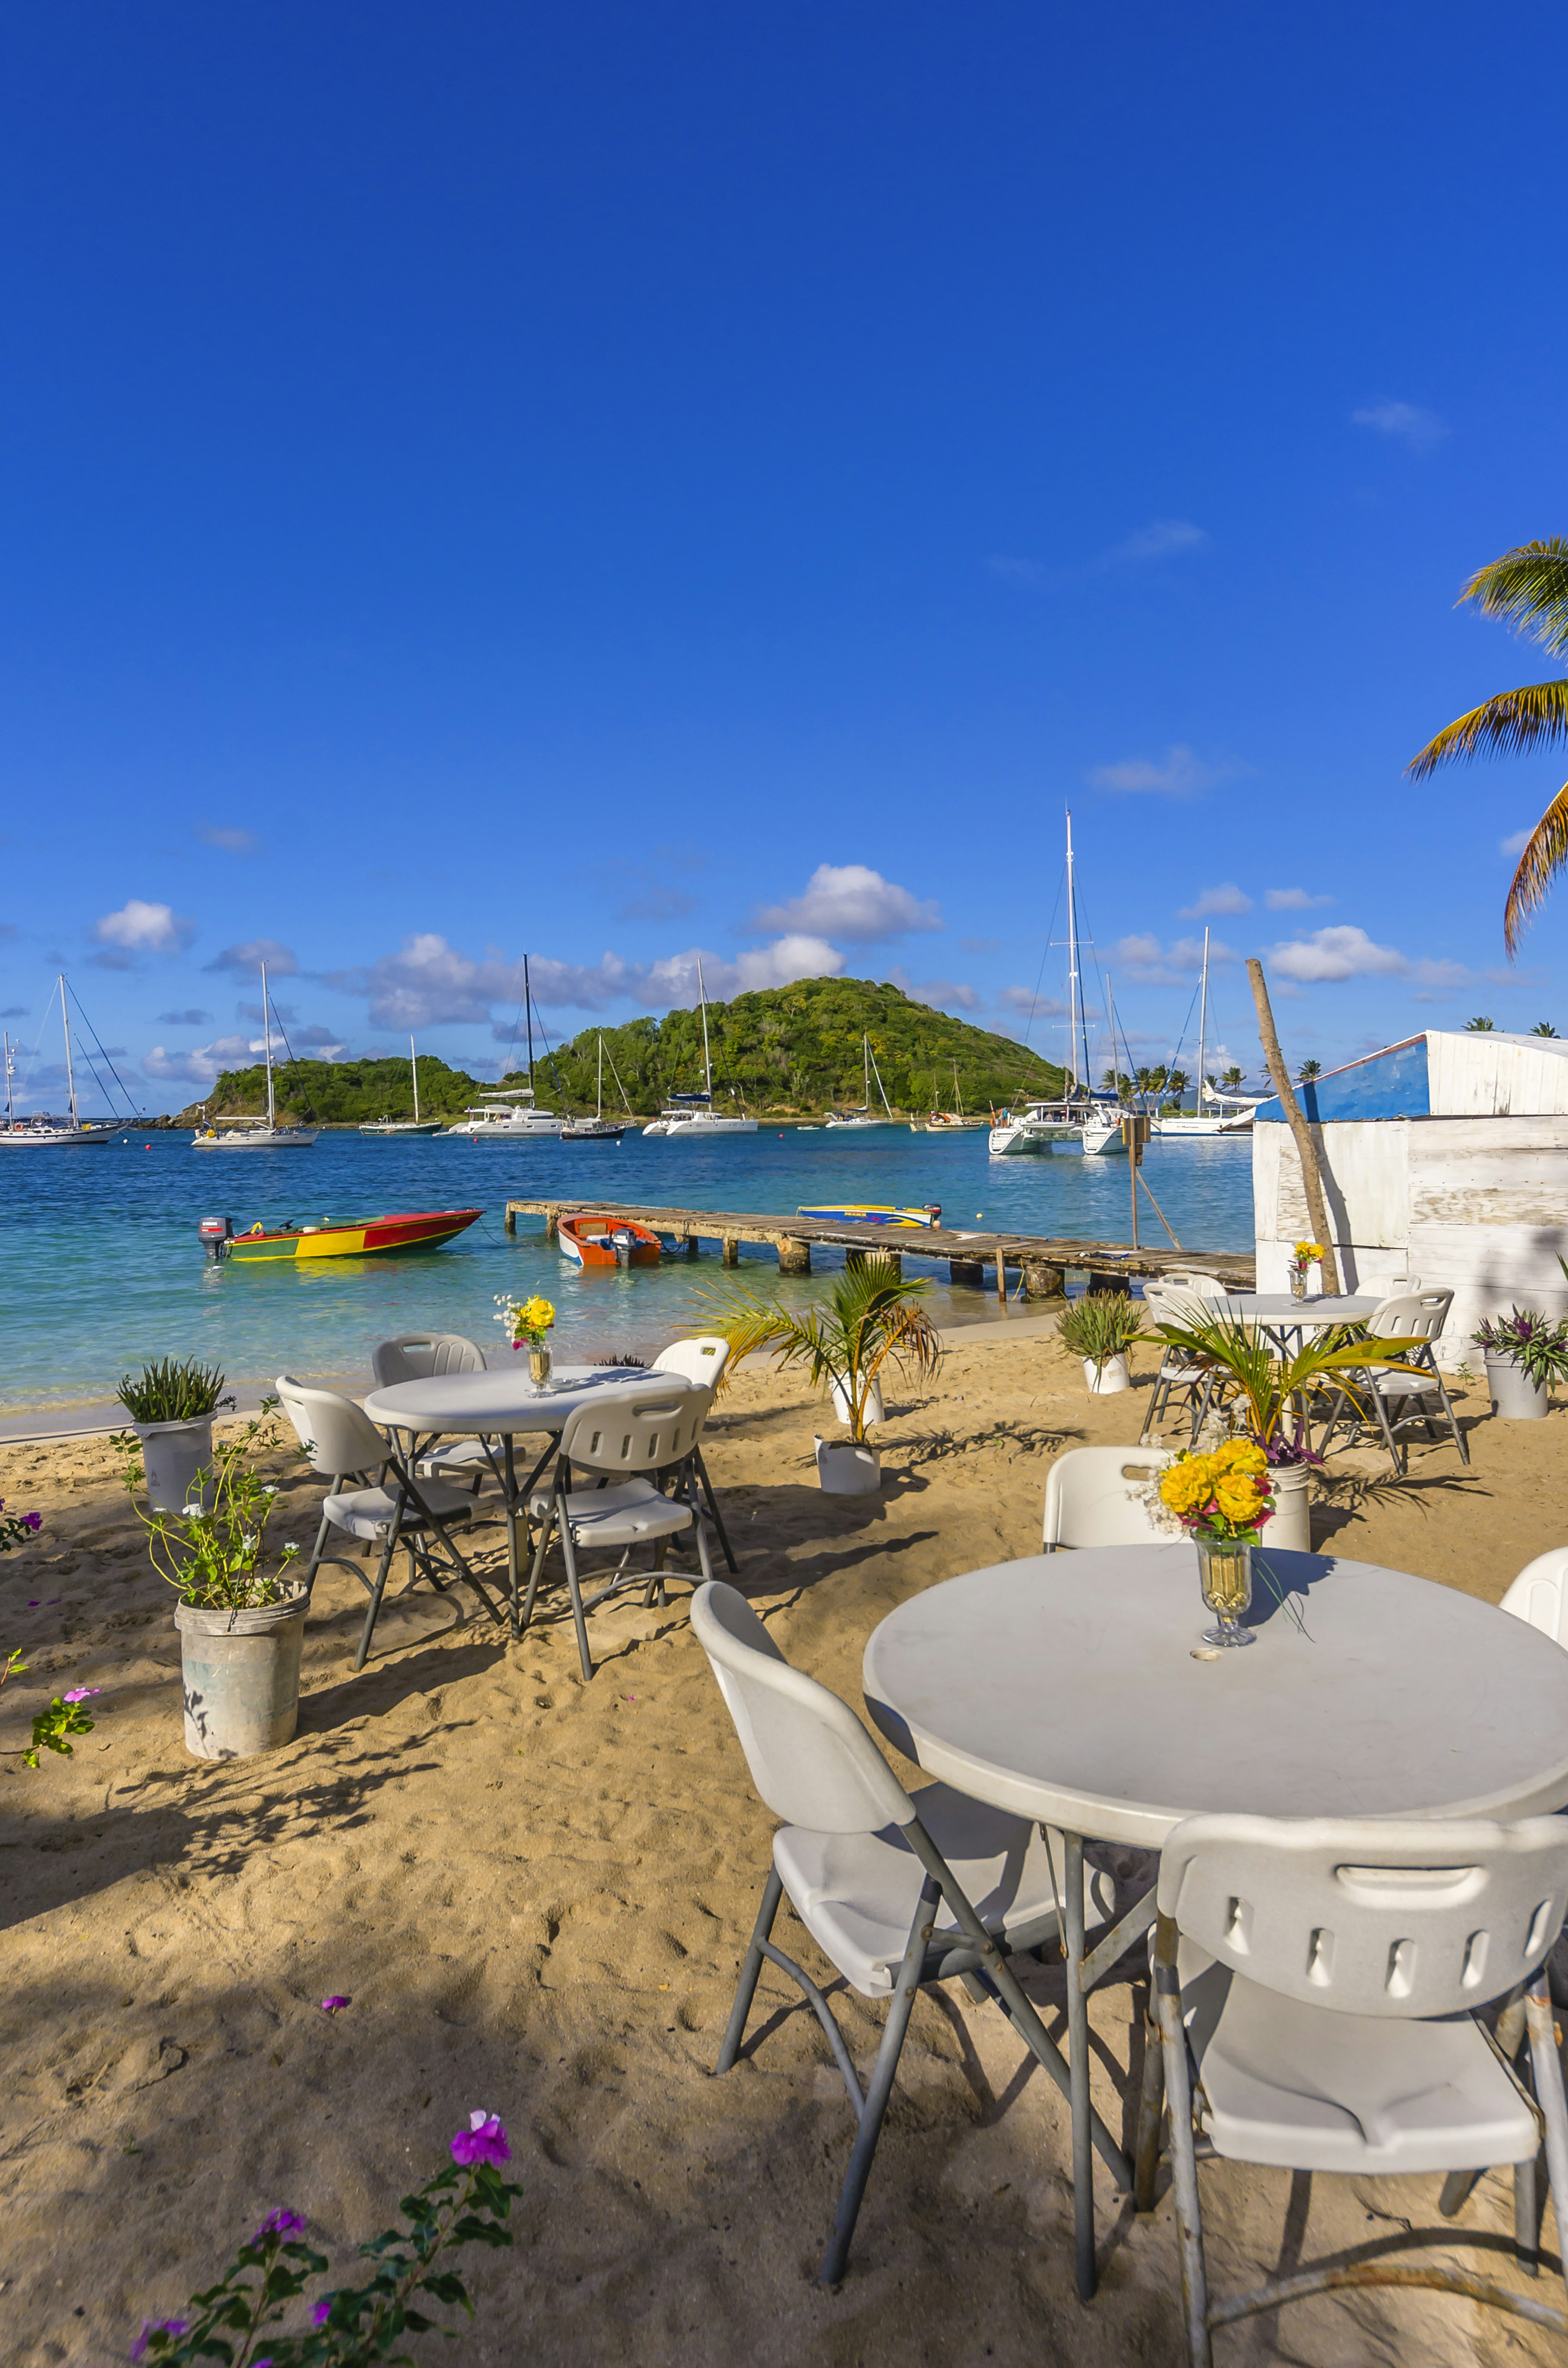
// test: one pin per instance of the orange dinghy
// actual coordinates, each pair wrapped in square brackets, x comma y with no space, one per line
[363,1237]
[606,1241]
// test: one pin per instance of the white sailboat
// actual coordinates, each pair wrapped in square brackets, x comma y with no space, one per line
[597,1129]
[1217,1114]
[686,1116]
[503,1117]
[863,1116]
[256,1134]
[1081,1118]
[44,1134]
[415,1125]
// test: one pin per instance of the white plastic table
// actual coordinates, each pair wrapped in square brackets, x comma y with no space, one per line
[502,1404]
[1281,1312]
[1063,1688]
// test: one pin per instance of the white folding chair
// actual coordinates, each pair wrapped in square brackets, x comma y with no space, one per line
[415,1357]
[896,1890]
[1179,1306]
[1101,1497]
[1314,1990]
[343,1444]
[1397,1398]
[1540,1594]
[702,1360]
[617,1442]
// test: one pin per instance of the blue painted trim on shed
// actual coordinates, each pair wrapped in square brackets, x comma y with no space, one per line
[1394,1083]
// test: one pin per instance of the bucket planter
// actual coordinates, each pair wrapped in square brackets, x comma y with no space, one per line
[1514,1395]
[172,1455]
[1105,1380]
[1099,1330]
[240,1674]
[846,1470]
[873,1405]
[1292,1527]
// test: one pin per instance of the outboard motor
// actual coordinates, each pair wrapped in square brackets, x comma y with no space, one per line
[216,1233]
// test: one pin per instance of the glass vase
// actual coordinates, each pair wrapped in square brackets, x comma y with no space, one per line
[538,1367]
[1298,1283]
[1224,1573]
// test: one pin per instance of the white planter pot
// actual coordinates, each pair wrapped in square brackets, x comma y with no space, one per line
[1292,1527]
[173,1453]
[241,1677]
[873,1401]
[845,1469]
[1514,1395]
[1113,1375]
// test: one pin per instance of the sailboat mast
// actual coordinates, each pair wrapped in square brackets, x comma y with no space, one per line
[1110,1022]
[707,1064]
[414,1065]
[1071,966]
[529,1008]
[8,1120]
[600,1108]
[266,1041]
[866,1044]
[1202,1019]
[70,1072]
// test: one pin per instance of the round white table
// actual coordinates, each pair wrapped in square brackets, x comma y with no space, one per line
[1281,1312]
[1064,1687]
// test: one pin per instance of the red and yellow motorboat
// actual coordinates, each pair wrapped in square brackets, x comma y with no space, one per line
[359,1237]
[607,1241]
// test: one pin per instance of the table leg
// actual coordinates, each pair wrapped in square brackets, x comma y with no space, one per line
[1078,2070]
[512,1533]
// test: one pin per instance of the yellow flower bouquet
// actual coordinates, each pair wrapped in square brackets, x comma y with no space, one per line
[1226,1494]
[527,1321]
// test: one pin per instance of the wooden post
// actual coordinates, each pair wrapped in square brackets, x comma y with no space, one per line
[729,1250]
[511,1218]
[691,1245]
[794,1255]
[1306,1149]
[1002,1276]
[551,1224]
[968,1271]
[1043,1280]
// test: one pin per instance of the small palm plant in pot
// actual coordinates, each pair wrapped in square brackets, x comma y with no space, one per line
[171,1407]
[1100,1328]
[870,1317]
[1525,1353]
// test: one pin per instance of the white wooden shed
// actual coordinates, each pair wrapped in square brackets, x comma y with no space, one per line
[1444,1156]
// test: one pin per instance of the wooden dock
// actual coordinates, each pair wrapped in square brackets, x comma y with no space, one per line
[1041,1261]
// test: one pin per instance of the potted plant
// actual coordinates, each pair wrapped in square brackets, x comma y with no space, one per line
[527,1322]
[1100,1328]
[240,1612]
[844,1339]
[1223,1500]
[1262,1393]
[170,1408]
[1525,1354]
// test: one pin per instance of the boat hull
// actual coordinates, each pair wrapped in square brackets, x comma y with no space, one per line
[872,1213]
[371,1238]
[52,1138]
[606,1242]
[261,1138]
[403,1126]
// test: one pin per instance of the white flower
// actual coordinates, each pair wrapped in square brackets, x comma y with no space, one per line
[191,1512]
[269,1492]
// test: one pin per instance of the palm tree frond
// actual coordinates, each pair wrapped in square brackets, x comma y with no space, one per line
[1526,588]
[1503,726]
[1544,857]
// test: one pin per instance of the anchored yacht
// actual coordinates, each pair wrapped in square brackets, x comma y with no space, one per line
[256,1133]
[685,1116]
[42,1134]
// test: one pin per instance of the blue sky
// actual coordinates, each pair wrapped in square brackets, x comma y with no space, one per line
[628,481]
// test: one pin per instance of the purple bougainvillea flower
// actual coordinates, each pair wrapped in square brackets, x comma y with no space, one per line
[321,2313]
[484,2140]
[33,1603]
[32,1521]
[277,2224]
[81,1693]
[331,2004]
[156,2326]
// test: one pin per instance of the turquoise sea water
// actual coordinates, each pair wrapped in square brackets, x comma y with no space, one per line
[100,1266]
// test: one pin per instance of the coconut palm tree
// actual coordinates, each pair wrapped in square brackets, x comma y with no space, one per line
[1544,1028]
[1528,589]
[1232,1078]
[1480,1026]
[1308,1071]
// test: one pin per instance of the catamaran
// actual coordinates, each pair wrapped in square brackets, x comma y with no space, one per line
[38,1134]
[1217,1114]
[1081,1117]
[415,1125]
[253,1134]
[685,1116]
[505,1116]
[863,1116]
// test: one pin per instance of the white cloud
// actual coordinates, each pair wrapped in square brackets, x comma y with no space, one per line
[1420,429]
[233,842]
[944,994]
[850,900]
[1329,956]
[1026,1000]
[1178,775]
[200,1065]
[249,958]
[1225,897]
[1143,958]
[140,930]
[1516,843]
[1160,538]
[1293,900]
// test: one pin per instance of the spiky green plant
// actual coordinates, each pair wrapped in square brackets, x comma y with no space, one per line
[1256,1382]
[868,1318]
[1526,588]
[169,1392]
[1100,1325]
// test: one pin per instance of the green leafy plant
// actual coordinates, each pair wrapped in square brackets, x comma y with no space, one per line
[217,1555]
[868,1317]
[1537,1344]
[1100,1325]
[60,1719]
[1258,1388]
[353,2326]
[171,1393]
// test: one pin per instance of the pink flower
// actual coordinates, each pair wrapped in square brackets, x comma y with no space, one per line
[156,2326]
[81,1693]
[331,2004]
[484,2140]
[321,2313]
[277,2224]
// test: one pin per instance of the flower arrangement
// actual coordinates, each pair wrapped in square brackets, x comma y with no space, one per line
[527,1321]
[1305,1256]
[1225,1494]
[1537,1344]
[352,2326]
[217,1558]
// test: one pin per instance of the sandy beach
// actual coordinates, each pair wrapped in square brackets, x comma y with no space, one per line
[535,1893]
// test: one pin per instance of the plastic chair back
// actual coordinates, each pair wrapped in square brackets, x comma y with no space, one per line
[338,1436]
[702,1360]
[1414,1315]
[1402,1917]
[1199,1284]
[1178,1304]
[620,1431]
[1090,1501]
[1538,1593]
[416,1356]
[810,1757]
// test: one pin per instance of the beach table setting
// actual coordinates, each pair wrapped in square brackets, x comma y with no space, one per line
[1073,1690]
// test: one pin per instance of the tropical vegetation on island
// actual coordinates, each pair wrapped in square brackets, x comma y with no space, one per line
[1526,588]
